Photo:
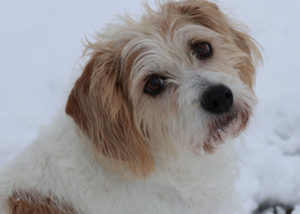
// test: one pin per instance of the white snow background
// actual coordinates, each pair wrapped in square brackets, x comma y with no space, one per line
[40,45]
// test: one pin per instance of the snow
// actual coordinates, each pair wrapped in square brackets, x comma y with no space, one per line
[41,45]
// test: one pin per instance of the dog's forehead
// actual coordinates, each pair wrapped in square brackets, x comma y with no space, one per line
[152,49]
[164,35]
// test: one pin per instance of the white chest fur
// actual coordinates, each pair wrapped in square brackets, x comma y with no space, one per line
[60,163]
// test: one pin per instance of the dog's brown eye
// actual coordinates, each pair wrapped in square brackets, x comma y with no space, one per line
[202,50]
[154,85]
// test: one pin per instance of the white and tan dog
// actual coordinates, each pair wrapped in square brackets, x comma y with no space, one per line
[149,124]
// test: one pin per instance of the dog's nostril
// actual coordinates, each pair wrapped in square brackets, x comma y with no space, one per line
[228,95]
[215,104]
[217,99]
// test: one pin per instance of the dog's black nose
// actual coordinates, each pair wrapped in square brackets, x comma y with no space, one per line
[217,99]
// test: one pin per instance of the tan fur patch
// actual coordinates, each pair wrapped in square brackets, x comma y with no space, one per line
[33,203]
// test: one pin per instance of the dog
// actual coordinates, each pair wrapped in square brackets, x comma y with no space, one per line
[149,125]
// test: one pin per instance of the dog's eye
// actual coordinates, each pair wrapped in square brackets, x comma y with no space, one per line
[202,50]
[154,85]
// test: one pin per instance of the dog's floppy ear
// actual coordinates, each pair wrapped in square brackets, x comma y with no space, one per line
[251,57]
[208,15]
[102,110]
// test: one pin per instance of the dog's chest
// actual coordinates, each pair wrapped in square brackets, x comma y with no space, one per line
[177,194]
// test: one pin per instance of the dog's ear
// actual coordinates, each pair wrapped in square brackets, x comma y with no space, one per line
[103,111]
[208,15]
[251,55]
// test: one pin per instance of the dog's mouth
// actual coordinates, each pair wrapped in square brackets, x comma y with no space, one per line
[223,121]
[230,124]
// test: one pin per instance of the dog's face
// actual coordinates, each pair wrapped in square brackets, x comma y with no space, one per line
[181,77]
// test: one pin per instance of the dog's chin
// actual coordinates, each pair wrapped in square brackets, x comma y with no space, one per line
[227,125]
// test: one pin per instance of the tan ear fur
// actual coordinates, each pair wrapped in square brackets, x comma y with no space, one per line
[102,109]
[248,63]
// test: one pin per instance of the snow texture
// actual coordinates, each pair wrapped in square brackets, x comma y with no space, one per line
[41,45]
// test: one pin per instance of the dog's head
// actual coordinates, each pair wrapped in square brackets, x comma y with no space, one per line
[182,76]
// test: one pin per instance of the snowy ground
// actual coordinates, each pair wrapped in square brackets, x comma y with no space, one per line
[41,44]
